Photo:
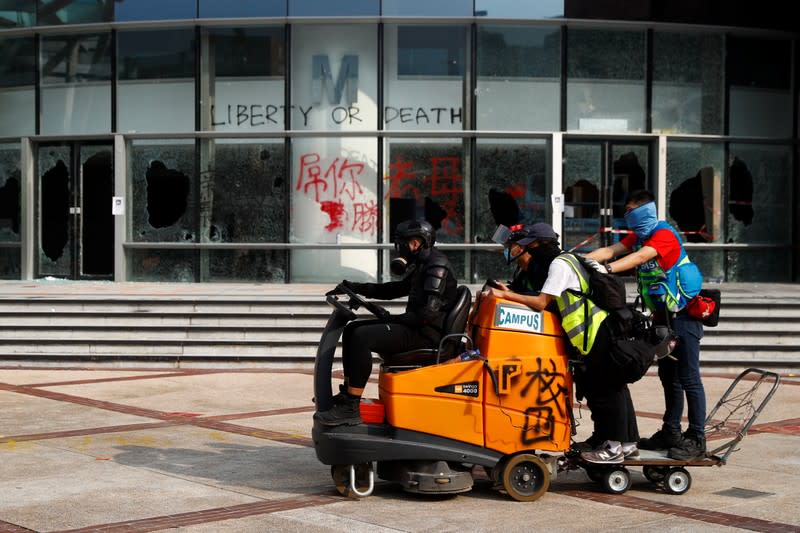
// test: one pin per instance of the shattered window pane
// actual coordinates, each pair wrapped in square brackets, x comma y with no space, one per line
[511,184]
[162,190]
[244,193]
[759,206]
[687,83]
[606,80]
[259,266]
[747,203]
[55,222]
[9,192]
[425,179]
[244,199]
[9,210]
[162,265]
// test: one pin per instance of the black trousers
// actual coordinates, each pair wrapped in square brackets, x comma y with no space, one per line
[362,338]
[608,398]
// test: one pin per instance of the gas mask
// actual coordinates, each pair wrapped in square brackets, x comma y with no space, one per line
[399,265]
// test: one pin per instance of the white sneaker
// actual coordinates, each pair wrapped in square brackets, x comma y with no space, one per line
[609,452]
[629,449]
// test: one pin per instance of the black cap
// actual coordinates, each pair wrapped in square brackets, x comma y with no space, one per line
[524,235]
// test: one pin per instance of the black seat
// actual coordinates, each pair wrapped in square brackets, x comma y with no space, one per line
[453,336]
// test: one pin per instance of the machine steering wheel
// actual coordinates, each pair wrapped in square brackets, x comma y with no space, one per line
[354,301]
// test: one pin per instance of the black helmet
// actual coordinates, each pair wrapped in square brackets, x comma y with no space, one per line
[415,228]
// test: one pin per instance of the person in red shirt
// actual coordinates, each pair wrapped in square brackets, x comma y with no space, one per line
[654,249]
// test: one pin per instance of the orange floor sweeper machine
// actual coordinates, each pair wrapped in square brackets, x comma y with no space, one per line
[507,410]
[506,407]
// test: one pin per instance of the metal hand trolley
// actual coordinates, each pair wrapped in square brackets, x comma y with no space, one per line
[729,420]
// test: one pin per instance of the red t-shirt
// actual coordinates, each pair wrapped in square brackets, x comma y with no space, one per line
[663,241]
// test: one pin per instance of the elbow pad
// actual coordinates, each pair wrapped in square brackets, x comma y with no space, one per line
[434,287]
[435,281]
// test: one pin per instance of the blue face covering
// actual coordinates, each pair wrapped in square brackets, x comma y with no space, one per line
[511,258]
[642,220]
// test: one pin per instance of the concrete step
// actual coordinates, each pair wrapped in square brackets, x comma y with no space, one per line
[103,334]
[218,348]
[282,324]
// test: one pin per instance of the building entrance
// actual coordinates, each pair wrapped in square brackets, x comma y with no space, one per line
[75,225]
[597,176]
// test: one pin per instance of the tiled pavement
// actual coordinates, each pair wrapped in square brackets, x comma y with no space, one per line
[229,450]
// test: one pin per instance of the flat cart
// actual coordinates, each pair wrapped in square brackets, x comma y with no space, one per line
[728,423]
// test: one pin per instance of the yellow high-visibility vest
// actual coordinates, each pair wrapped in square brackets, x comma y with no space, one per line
[580,317]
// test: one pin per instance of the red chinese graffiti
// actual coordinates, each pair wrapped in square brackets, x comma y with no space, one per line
[365,217]
[336,214]
[445,184]
[335,186]
[402,183]
[330,185]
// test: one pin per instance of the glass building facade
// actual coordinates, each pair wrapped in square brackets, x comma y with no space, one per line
[281,141]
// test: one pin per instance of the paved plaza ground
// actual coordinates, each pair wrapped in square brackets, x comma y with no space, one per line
[229,450]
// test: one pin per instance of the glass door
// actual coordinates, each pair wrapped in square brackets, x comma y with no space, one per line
[75,186]
[597,177]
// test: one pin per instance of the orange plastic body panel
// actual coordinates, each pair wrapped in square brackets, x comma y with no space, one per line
[445,400]
[526,350]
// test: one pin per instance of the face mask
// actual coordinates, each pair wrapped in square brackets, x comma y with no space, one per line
[511,258]
[642,220]
[399,264]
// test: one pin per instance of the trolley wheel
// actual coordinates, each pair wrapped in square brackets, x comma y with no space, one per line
[616,480]
[525,477]
[677,481]
[341,478]
[656,474]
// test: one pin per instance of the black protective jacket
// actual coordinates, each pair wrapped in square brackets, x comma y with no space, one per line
[431,289]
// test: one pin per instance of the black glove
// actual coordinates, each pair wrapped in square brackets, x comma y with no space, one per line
[357,288]
[338,289]
[334,291]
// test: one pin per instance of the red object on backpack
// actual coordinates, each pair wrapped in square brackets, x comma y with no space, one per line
[701,307]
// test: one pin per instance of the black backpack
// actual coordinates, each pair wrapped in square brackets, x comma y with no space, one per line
[606,291]
[636,342]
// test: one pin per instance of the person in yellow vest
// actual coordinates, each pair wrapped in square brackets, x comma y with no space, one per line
[608,397]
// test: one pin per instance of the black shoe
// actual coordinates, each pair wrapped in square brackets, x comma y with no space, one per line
[348,412]
[663,439]
[342,396]
[692,446]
